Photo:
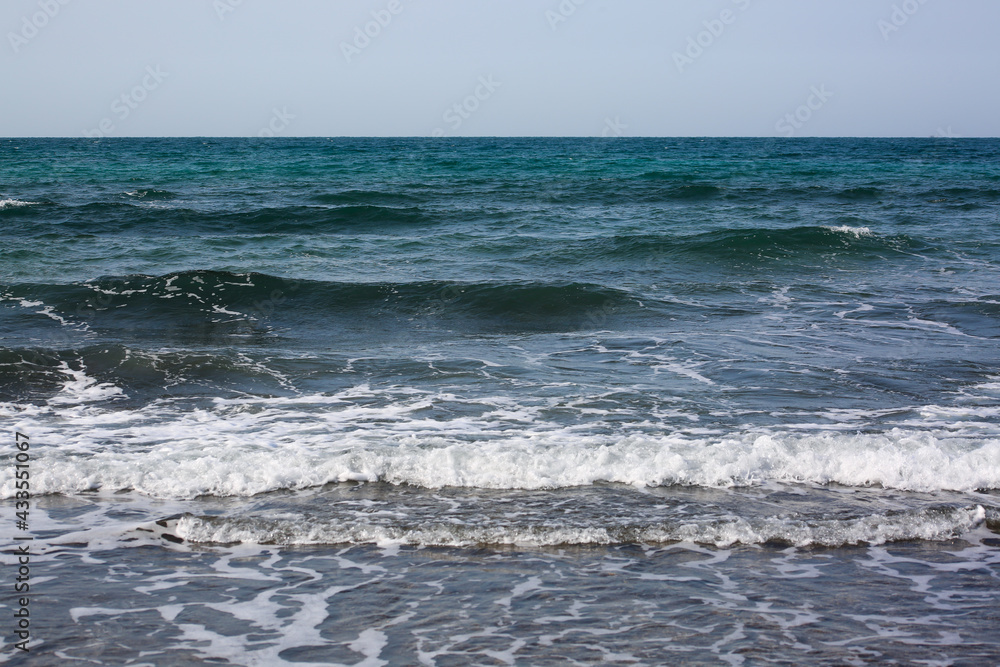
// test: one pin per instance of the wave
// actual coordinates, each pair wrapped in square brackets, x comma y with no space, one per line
[122,217]
[15,203]
[151,194]
[952,194]
[117,372]
[817,187]
[766,243]
[367,198]
[688,191]
[801,239]
[319,219]
[857,232]
[933,524]
[862,194]
[245,448]
[234,299]
[693,186]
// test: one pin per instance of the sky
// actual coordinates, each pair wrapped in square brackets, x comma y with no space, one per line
[75,68]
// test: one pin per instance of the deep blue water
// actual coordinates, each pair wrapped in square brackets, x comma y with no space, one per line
[538,360]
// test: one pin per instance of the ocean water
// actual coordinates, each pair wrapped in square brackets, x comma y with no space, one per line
[502,401]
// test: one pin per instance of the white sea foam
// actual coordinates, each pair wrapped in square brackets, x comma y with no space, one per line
[248,446]
[15,203]
[81,388]
[856,232]
[251,447]
[929,524]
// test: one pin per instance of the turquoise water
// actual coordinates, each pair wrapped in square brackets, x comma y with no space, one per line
[530,362]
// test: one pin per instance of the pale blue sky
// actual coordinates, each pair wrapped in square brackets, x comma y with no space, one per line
[512,67]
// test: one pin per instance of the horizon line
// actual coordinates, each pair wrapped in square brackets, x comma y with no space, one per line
[524,136]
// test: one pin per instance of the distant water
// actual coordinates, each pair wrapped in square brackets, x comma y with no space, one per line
[504,401]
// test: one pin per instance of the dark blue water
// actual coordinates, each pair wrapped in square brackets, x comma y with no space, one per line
[578,388]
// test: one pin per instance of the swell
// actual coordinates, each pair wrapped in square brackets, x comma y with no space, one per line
[691,187]
[961,194]
[124,217]
[35,374]
[222,298]
[367,198]
[767,243]
[151,194]
[752,245]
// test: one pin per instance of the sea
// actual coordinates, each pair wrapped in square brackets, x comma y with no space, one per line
[500,401]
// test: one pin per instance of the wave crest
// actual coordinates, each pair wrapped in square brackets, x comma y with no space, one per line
[237,453]
[934,524]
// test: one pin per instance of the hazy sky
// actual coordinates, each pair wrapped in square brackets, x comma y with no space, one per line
[500,67]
